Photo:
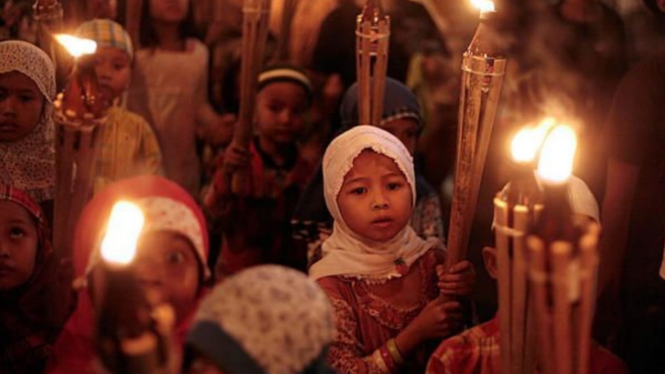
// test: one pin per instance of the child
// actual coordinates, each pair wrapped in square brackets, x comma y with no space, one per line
[170,261]
[379,275]
[27,90]
[29,289]
[476,351]
[401,117]
[256,224]
[267,319]
[128,146]
[170,87]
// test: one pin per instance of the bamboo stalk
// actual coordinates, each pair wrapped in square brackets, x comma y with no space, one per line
[504,282]
[380,72]
[256,14]
[539,281]
[561,258]
[589,271]
[64,166]
[133,9]
[288,14]
[519,290]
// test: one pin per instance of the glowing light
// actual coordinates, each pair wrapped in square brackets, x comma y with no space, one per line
[483,5]
[527,141]
[556,159]
[122,233]
[77,47]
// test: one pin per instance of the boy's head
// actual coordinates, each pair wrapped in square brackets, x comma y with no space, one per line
[27,88]
[284,96]
[369,183]
[266,319]
[113,58]
[171,258]
[401,112]
[22,231]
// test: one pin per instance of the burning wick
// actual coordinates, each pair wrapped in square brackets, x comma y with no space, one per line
[483,5]
[122,234]
[528,141]
[77,47]
[556,159]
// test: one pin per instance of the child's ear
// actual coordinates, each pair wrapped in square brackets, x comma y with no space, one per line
[489,257]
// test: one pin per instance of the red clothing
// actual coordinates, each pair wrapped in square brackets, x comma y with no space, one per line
[74,350]
[476,351]
[256,225]
[365,322]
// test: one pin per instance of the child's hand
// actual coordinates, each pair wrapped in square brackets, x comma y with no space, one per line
[459,281]
[235,157]
[439,319]
[220,132]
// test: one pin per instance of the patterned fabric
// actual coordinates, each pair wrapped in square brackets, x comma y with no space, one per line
[365,321]
[476,351]
[343,253]
[29,164]
[128,148]
[106,33]
[74,351]
[28,324]
[256,224]
[286,73]
[277,316]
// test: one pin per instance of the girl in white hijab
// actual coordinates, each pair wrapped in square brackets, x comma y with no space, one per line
[27,90]
[379,275]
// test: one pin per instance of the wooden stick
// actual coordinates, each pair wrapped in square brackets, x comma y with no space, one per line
[288,14]
[363,62]
[134,8]
[504,282]
[256,14]
[539,281]
[519,289]
[64,176]
[589,272]
[380,71]
[561,257]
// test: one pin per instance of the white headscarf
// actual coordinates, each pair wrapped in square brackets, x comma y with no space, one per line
[345,253]
[29,163]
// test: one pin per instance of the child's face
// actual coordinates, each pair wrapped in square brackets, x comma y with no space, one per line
[113,68]
[280,110]
[172,11]
[168,269]
[21,105]
[19,240]
[406,130]
[375,198]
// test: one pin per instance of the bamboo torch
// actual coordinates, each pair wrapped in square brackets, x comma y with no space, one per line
[372,42]
[48,15]
[79,113]
[256,15]
[515,210]
[288,14]
[128,338]
[563,265]
[483,68]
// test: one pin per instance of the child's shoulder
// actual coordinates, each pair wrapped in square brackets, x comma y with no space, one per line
[125,117]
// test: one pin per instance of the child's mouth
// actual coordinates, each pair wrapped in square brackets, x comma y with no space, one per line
[382,222]
[8,127]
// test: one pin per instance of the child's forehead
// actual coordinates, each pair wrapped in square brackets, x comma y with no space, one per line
[10,210]
[16,80]
[112,52]
[369,162]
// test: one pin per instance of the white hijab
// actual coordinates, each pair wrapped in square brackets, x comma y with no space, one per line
[29,163]
[345,252]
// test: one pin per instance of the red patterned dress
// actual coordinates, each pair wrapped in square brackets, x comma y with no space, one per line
[365,321]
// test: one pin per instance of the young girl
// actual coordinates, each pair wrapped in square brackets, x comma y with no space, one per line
[170,261]
[379,275]
[29,288]
[267,319]
[169,86]
[401,117]
[27,88]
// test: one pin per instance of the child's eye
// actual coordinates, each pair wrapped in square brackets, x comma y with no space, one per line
[27,98]
[394,186]
[118,66]
[175,257]
[358,191]
[16,233]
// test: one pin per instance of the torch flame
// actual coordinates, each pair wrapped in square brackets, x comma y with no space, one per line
[483,5]
[556,159]
[527,141]
[122,234]
[77,47]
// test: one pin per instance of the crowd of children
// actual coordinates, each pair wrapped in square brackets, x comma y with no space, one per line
[299,269]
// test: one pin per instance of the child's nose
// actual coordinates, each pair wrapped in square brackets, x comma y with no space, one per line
[379,200]
[9,106]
